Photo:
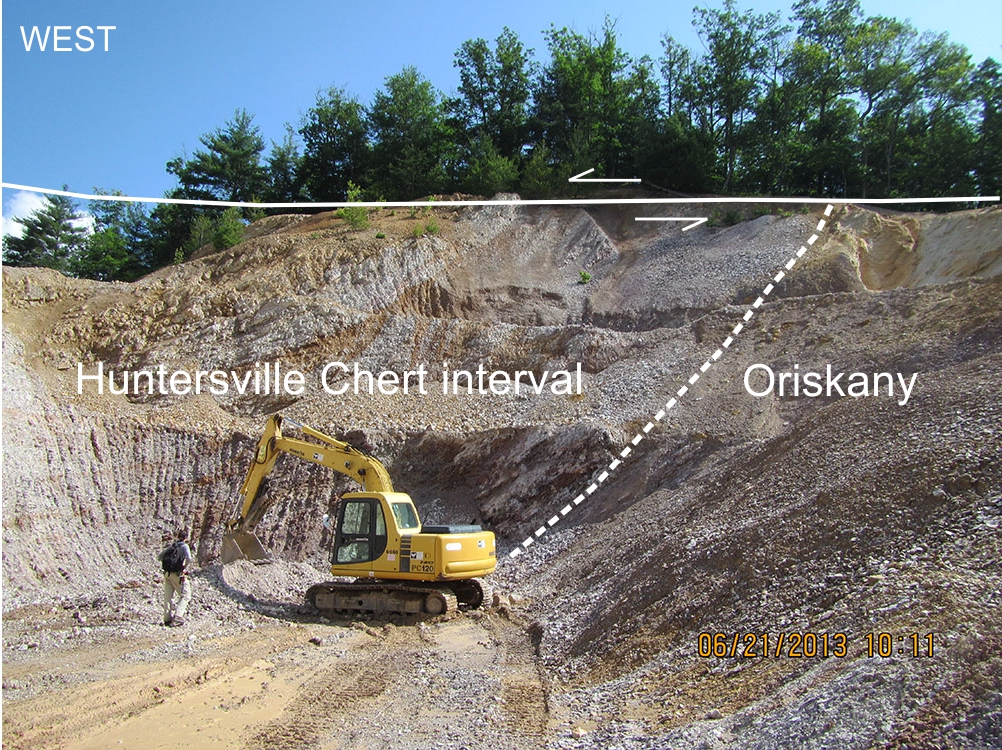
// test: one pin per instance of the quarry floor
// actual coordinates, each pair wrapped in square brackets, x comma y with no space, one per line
[246,673]
[737,515]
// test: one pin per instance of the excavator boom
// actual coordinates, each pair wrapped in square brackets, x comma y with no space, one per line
[239,541]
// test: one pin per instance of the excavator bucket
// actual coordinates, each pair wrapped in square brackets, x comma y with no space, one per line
[243,545]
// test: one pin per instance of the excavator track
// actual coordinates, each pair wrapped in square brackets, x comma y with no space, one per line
[334,598]
[473,593]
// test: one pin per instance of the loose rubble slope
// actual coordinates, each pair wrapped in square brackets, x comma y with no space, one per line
[735,515]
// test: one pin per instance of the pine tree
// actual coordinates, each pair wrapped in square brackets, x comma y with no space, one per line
[411,137]
[230,167]
[52,237]
[336,146]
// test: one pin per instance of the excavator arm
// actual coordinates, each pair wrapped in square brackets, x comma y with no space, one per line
[239,540]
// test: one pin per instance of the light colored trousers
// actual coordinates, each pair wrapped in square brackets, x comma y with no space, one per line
[180,585]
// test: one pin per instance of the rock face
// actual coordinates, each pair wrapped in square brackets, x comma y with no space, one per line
[735,514]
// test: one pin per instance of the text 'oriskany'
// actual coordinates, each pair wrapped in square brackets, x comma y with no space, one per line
[761,380]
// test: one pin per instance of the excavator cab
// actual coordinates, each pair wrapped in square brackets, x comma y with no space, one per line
[361,531]
[379,535]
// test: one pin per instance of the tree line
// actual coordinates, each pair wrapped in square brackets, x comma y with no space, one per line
[830,102]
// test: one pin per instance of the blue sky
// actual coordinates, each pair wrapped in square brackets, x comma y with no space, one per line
[174,71]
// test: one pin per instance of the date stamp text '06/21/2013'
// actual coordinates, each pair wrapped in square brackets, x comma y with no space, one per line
[806,645]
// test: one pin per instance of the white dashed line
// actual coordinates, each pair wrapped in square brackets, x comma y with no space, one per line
[684,389]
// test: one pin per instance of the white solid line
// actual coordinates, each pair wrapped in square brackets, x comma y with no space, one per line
[519,202]
[696,220]
[696,223]
[581,178]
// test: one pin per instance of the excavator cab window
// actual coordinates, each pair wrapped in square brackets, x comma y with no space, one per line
[361,532]
[405,515]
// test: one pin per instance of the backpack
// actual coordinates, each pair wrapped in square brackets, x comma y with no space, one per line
[173,558]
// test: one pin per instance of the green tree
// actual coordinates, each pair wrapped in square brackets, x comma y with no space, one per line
[357,217]
[116,249]
[229,167]
[103,257]
[987,86]
[494,92]
[336,147]
[680,152]
[677,74]
[642,104]
[940,123]
[921,127]
[203,230]
[678,156]
[881,67]
[819,64]
[539,178]
[411,137]
[284,173]
[228,229]
[581,101]
[736,59]
[488,172]
[171,228]
[52,236]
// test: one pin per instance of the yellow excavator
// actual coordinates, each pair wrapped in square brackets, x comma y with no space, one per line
[396,564]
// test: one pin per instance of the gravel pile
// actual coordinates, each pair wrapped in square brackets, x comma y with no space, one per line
[733,514]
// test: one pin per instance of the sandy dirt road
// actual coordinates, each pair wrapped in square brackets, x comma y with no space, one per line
[104,674]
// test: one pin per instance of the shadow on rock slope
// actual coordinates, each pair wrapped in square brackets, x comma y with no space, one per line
[738,515]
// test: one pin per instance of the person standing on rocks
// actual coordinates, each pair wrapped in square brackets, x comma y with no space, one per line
[175,559]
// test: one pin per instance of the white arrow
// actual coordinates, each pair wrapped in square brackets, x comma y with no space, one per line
[696,220]
[581,178]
